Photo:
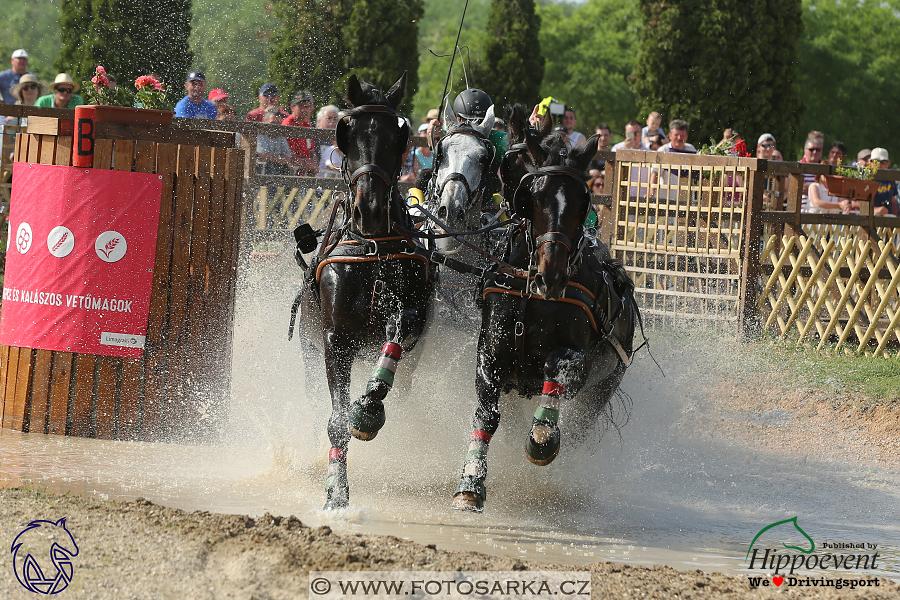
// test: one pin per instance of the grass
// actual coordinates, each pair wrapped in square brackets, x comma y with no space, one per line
[866,381]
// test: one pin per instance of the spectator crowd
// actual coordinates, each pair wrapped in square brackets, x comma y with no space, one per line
[302,156]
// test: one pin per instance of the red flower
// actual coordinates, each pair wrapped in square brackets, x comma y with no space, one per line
[740,148]
[145,80]
[100,80]
[101,70]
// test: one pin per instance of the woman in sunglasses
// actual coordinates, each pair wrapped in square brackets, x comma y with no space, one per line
[26,93]
[63,95]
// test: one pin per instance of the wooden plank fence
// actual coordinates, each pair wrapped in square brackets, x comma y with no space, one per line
[179,387]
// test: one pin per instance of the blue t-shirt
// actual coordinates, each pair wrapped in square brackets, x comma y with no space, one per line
[884,194]
[8,79]
[188,109]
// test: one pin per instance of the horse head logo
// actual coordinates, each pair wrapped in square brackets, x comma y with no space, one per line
[42,539]
[793,520]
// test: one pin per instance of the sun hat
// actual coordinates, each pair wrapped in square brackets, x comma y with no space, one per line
[766,137]
[433,113]
[64,78]
[864,154]
[26,79]
[20,53]
[423,127]
[880,154]
[195,76]
[217,94]
[269,89]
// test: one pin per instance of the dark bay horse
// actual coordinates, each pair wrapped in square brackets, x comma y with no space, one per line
[365,289]
[564,328]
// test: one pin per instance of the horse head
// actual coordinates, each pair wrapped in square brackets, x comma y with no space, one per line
[517,160]
[462,159]
[555,199]
[373,138]
[44,539]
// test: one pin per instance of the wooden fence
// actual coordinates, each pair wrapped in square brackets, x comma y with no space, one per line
[723,240]
[179,387]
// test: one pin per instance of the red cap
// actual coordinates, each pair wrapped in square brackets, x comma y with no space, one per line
[217,94]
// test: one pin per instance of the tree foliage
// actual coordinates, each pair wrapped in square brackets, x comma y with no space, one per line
[229,38]
[382,42]
[590,53]
[128,37]
[850,58]
[307,49]
[512,66]
[317,44]
[437,35]
[722,63]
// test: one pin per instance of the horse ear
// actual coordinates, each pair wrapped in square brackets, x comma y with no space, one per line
[487,123]
[515,116]
[546,124]
[354,92]
[449,116]
[394,96]
[582,157]
[538,154]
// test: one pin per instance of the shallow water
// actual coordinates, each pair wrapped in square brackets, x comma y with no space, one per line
[652,492]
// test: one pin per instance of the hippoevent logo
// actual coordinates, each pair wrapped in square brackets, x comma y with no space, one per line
[783,562]
[42,556]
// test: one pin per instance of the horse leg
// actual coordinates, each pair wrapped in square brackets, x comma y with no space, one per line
[470,492]
[563,372]
[367,414]
[338,361]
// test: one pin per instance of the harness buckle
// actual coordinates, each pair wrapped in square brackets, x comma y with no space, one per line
[374,246]
[379,286]
[520,329]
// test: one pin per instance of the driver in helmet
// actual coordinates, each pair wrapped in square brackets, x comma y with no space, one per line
[471,106]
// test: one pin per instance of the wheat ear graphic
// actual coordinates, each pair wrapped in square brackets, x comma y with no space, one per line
[60,242]
[109,246]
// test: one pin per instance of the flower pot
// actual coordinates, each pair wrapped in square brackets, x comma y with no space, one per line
[88,115]
[848,187]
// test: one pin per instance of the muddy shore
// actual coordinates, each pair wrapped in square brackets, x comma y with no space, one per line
[138,550]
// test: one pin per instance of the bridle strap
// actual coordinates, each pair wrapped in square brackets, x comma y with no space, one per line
[461,179]
[554,236]
[374,170]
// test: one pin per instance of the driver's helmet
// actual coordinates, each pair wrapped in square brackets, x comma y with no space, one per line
[471,105]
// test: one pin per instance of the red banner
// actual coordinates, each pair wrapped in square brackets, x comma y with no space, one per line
[79,267]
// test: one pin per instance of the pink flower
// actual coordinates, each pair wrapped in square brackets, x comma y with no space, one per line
[101,70]
[145,80]
[100,81]
[160,87]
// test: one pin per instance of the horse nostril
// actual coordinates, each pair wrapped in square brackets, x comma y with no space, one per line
[461,215]
[442,213]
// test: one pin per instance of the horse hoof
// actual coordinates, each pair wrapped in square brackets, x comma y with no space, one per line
[469,501]
[363,424]
[543,444]
[338,492]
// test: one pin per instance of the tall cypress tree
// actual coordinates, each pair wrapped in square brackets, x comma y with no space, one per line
[128,37]
[721,63]
[513,67]
[306,50]
[382,42]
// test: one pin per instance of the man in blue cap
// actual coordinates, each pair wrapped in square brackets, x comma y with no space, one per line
[269,97]
[195,105]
